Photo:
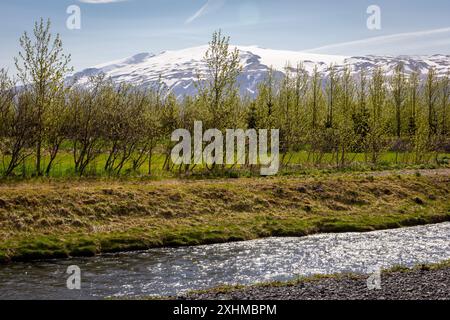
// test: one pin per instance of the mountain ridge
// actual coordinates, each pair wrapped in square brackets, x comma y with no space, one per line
[178,69]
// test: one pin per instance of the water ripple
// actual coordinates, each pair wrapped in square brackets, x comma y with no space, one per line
[170,271]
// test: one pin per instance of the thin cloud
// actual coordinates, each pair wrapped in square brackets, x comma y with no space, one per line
[101,1]
[399,43]
[208,7]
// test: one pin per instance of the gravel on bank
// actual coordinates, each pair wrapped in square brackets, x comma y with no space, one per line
[416,284]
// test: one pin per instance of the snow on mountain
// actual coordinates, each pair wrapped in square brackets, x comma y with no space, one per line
[180,69]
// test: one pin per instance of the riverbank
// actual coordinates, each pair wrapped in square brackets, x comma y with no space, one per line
[58,219]
[427,282]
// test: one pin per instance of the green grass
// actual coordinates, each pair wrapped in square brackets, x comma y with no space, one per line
[299,162]
[56,219]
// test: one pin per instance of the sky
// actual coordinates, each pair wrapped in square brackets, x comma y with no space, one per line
[114,29]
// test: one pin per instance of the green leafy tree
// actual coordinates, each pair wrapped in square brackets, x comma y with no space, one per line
[220,88]
[42,67]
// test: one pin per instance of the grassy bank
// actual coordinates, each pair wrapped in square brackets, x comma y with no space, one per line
[57,219]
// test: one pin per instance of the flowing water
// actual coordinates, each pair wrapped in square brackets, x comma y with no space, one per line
[171,271]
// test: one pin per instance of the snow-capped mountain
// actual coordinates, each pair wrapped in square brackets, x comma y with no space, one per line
[180,69]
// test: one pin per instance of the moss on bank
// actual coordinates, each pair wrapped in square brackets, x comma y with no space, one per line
[40,220]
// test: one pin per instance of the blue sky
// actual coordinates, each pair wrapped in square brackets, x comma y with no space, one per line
[119,28]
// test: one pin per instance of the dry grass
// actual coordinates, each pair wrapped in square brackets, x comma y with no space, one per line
[60,219]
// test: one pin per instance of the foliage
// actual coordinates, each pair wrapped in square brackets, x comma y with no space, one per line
[337,119]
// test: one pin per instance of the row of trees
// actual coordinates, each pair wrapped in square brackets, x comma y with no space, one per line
[42,116]
[368,114]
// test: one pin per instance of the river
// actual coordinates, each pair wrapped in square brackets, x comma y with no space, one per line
[171,271]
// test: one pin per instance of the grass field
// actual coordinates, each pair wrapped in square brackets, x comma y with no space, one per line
[52,218]
[63,166]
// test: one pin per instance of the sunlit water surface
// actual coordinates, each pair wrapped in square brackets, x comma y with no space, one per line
[171,271]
